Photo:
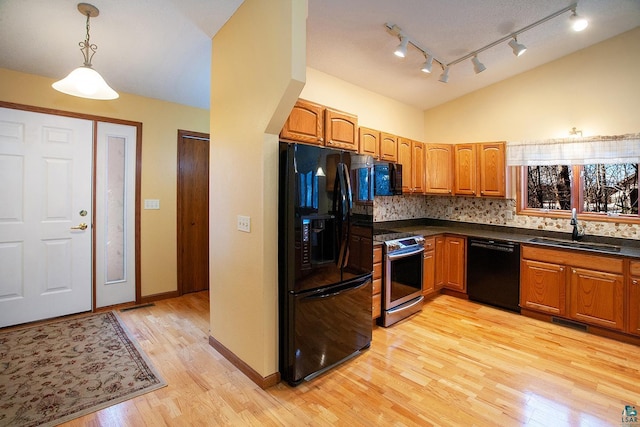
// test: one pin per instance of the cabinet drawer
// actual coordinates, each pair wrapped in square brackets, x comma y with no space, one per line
[574,258]
[634,268]
[377,286]
[377,271]
[377,253]
[376,309]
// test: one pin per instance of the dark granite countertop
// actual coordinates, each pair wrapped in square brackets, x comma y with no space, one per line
[593,244]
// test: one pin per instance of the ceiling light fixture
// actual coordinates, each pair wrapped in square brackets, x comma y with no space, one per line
[84,81]
[518,49]
[478,66]
[401,50]
[428,64]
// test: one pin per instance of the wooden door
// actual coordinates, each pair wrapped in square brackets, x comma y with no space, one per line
[193,212]
[404,158]
[492,169]
[597,298]
[46,216]
[465,169]
[439,169]
[543,287]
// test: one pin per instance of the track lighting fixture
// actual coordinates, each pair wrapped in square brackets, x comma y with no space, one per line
[444,77]
[428,63]
[478,66]
[578,24]
[518,49]
[401,50]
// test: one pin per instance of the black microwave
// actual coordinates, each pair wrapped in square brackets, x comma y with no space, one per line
[388,179]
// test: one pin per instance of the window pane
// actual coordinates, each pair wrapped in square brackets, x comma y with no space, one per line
[549,187]
[611,188]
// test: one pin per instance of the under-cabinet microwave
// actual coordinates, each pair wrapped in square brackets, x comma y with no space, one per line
[388,179]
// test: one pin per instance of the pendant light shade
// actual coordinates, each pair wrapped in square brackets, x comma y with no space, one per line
[84,81]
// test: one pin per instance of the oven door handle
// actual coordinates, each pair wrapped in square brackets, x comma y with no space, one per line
[392,257]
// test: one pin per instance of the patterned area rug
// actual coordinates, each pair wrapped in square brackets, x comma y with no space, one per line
[54,372]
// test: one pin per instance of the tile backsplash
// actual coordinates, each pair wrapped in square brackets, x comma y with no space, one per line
[487,211]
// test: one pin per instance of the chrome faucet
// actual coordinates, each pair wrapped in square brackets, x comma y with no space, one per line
[578,232]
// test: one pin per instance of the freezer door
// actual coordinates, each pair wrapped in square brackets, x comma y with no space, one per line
[328,326]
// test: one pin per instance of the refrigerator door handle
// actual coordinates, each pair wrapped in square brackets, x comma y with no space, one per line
[341,291]
[345,211]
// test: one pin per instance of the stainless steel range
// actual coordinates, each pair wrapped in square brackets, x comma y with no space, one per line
[402,283]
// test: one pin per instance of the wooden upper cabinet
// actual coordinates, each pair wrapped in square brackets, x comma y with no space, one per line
[369,142]
[404,158]
[388,147]
[492,169]
[417,166]
[438,165]
[465,169]
[341,130]
[305,123]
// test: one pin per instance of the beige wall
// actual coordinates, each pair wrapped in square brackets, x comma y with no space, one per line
[160,123]
[258,72]
[596,90]
[373,110]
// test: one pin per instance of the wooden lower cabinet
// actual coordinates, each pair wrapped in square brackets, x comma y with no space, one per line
[633,299]
[597,298]
[376,300]
[542,287]
[429,267]
[455,263]
[440,262]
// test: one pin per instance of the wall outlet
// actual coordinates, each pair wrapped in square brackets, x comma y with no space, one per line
[508,215]
[151,204]
[244,223]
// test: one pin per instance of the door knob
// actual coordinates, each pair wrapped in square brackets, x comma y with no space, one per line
[81,226]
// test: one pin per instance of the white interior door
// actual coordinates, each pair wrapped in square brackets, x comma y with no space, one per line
[45,197]
[115,214]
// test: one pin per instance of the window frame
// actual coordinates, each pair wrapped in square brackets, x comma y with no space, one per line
[577,201]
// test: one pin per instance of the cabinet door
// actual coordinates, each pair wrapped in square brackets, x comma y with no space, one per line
[429,266]
[634,305]
[369,142]
[465,170]
[341,130]
[455,256]
[492,169]
[305,124]
[597,298]
[388,147]
[440,262]
[543,287]
[376,297]
[417,166]
[439,169]
[404,158]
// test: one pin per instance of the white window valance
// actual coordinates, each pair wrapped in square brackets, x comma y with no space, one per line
[575,151]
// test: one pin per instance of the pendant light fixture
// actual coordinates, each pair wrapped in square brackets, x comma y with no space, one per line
[84,81]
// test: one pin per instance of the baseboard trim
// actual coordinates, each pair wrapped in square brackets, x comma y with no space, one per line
[262,382]
[157,297]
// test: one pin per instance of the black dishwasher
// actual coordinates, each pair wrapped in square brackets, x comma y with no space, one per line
[493,273]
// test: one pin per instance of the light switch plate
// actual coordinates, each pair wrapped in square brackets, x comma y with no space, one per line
[244,223]
[151,204]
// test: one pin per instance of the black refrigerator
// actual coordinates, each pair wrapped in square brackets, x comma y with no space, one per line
[325,258]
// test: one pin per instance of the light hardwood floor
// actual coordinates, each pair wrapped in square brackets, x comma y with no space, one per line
[455,364]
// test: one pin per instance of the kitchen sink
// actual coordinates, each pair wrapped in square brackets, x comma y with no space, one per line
[602,247]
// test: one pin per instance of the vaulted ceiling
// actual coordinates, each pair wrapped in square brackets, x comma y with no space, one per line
[162,48]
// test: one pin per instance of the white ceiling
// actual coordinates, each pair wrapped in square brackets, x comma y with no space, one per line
[162,48]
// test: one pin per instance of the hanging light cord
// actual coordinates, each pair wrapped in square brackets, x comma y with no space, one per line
[86,46]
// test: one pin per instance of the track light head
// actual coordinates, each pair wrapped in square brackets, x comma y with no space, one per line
[401,50]
[428,63]
[478,66]
[518,49]
[444,77]
[577,23]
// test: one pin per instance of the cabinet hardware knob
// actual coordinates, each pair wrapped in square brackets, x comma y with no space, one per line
[635,282]
[561,268]
[574,271]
